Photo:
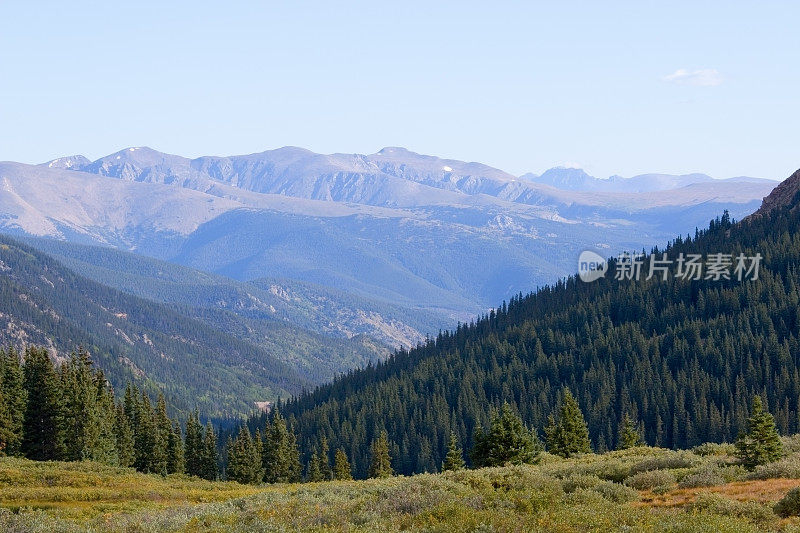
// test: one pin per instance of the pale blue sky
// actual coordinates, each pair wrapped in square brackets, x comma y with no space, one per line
[622,87]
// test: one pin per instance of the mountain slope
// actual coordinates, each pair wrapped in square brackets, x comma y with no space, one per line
[273,301]
[194,363]
[683,356]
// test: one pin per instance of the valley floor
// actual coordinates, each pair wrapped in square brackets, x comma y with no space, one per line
[643,489]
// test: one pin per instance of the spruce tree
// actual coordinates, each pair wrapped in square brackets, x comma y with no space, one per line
[123,434]
[281,457]
[14,400]
[79,407]
[43,438]
[761,443]
[5,420]
[454,460]
[630,434]
[193,445]
[325,459]
[144,433]
[175,453]
[341,466]
[506,441]
[163,429]
[568,435]
[209,459]
[244,463]
[381,462]
[313,470]
[105,447]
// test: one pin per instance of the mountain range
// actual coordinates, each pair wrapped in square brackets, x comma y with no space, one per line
[444,237]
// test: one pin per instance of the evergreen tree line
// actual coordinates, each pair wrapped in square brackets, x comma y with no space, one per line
[68,412]
[682,358]
[272,455]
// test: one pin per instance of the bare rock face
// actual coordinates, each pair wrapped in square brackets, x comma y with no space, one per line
[785,194]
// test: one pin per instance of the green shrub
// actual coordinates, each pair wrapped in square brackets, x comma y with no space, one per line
[788,467]
[650,479]
[717,504]
[668,461]
[615,492]
[662,489]
[789,505]
[580,481]
[791,443]
[707,476]
[715,449]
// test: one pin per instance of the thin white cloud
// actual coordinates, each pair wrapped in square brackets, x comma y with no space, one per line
[708,77]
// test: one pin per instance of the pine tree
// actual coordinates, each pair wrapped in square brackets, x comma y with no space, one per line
[209,459]
[762,443]
[506,441]
[193,445]
[43,437]
[105,447]
[79,407]
[630,434]
[313,470]
[325,459]
[123,434]
[144,434]
[281,457]
[175,453]
[5,419]
[568,435]
[454,460]
[13,402]
[244,463]
[381,462]
[163,428]
[341,466]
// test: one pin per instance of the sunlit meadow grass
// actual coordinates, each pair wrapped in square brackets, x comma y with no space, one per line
[589,493]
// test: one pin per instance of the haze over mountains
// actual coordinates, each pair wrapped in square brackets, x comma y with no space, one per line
[290,267]
[395,228]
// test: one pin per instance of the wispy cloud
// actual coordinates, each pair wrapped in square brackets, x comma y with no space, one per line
[708,77]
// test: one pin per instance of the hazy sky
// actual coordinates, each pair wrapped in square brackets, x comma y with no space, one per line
[620,88]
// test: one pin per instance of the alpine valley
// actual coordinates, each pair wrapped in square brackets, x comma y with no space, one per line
[230,281]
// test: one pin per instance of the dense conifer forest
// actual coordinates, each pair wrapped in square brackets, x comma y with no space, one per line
[682,358]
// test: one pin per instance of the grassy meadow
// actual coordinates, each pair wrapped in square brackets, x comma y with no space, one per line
[642,489]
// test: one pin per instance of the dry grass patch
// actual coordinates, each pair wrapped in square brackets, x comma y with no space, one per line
[762,491]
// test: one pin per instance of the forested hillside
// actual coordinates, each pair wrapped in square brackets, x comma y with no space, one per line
[682,356]
[132,339]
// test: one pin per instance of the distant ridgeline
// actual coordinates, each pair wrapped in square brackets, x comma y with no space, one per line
[683,357]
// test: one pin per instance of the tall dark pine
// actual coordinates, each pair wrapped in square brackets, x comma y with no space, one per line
[193,446]
[43,437]
[506,441]
[630,434]
[341,466]
[568,435]
[454,460]
[281,457]
[762,443]
[244,460]
[14,399]
[175,453]
[209,462]
[381,462]
[123,434]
